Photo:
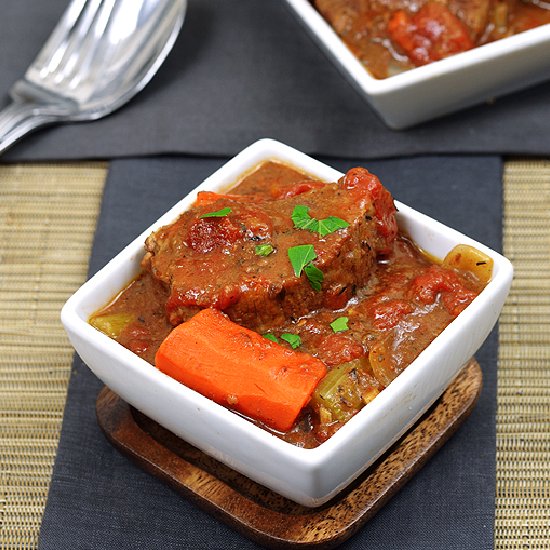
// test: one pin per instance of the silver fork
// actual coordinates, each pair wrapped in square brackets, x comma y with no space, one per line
[100,54]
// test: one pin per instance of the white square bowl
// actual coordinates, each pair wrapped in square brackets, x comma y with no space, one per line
[307,476]
[442,87]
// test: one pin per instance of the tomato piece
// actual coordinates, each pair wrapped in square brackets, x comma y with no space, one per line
[339,348]
[209,233]
[455,296]
[387,314]
[286,191]
[205,234]
[368,185]
[458,300]
[432,282]
[430,34]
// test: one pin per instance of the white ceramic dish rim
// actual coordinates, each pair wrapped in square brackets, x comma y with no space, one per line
[76,312]
[373,86]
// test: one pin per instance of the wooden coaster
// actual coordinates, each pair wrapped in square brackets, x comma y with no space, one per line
[259,513]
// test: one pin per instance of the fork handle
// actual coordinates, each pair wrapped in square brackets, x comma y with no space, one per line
[19,119]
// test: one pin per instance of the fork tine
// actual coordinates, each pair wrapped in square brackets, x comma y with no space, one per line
[100,53]
[81,51]
[73,48]
[61,52]
[50,55]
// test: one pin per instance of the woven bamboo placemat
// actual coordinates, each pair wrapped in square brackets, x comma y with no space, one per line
[47,220]
[523,417]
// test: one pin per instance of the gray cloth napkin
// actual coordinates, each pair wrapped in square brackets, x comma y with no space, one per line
[242,69]
[100,500]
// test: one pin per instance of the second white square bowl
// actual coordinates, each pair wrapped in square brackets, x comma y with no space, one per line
[442,87]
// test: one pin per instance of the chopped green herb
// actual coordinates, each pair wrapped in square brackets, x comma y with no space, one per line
[331,224]
[340,324]
[302,220]
[218,214]
[263,249]
[300,256]
[315,276]
[293,339]
[271,337]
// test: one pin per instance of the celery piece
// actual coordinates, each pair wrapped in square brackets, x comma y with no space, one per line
[339,392]
[112,324]
[382,360]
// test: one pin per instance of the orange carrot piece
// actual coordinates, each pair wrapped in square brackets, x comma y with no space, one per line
[239,368]
[206,198]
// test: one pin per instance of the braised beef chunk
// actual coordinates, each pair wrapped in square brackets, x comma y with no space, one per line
[212,255]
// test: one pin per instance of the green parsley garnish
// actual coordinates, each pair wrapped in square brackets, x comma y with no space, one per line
[218,214]
[293,339]
[302,220]
[331,224]
[271,337]
[263,249]
[340,324]
[315,276]
[300,256]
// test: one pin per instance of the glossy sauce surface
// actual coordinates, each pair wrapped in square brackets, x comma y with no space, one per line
[365,340]
[391,36]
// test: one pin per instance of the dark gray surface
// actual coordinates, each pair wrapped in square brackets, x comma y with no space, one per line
[100,500]
[244,69]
